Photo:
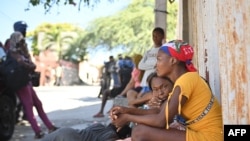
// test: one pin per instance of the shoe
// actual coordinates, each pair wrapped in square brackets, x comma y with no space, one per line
[39,135]
[53,129]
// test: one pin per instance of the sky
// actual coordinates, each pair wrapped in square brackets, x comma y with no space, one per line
[16,10]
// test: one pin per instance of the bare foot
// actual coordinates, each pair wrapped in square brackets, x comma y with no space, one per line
[98,115]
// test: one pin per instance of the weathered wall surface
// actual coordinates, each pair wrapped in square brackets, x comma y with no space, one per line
[220,32]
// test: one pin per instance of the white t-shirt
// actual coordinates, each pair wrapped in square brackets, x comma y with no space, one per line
[148,63]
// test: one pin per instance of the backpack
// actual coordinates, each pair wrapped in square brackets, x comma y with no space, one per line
[126,64]
[15,76]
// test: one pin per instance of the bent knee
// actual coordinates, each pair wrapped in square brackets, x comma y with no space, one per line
[139,132]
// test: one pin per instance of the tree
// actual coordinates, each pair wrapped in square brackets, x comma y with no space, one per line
[48,4]
[52,33]
[130,29]
[55,39]
[77,50]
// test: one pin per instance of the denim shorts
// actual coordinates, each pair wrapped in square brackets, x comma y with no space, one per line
[145,89]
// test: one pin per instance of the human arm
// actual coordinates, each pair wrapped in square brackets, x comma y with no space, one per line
[141,99]
[133,111]
[173,105]
[26,63]
[29,65]
[120,120]
[155,102]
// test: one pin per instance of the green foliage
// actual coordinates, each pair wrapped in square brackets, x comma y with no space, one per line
[172,15]
[77,50]
[48,4]
[130,29]
[52,33]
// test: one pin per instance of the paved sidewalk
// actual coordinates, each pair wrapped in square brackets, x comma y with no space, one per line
[66,107]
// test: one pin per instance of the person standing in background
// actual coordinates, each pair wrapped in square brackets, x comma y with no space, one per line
[58,74]
[149,60]
[119,62]
[27,94]
[19,26]
[105,78]
[112,93]
[113,72]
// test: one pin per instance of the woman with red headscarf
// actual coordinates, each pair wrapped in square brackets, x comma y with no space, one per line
[191,112]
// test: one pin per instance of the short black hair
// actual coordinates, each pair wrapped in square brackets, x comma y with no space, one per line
[160,30]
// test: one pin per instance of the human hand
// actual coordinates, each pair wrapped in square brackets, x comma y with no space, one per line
[115,111]
[154,102]
[112,113]
[178,123]
[120,121]
[163,97]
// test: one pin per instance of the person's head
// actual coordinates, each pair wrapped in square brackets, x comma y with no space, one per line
[158,36]
[120,56]
[20,26]
[17,41]
[160,86]
[111,58]
[174,56]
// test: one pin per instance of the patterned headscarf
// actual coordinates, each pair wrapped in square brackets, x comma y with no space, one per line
[180,50]
[15,38]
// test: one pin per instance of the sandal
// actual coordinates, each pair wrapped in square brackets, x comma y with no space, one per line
[98,115]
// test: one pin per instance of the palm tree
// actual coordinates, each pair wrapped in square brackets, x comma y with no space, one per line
[55,40]
[77,50]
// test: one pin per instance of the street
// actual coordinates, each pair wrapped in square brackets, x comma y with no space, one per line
[71,106]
